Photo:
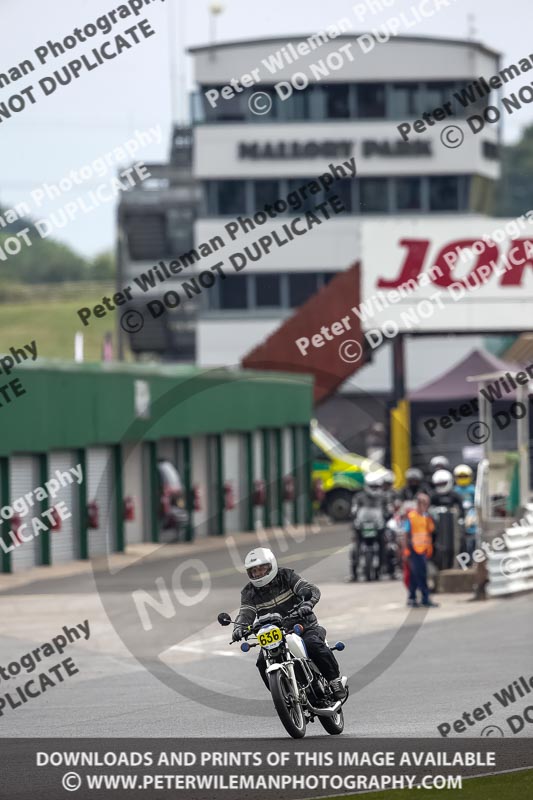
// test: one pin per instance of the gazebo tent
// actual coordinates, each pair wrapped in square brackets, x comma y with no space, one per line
[443,397]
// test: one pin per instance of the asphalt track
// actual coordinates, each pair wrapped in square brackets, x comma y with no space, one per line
[410,671]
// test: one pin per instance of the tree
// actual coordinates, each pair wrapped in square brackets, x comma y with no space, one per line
[515,190]
[102,267]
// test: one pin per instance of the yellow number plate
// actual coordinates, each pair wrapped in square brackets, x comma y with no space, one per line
[270,638]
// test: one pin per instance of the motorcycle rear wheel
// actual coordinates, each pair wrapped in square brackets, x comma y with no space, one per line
[291,715]
[333,725]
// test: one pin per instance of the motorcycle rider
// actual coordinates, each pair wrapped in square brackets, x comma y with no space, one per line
[414,483]
[371,497]
[437,462]
[463,475]
[278,589]
[390,495]
[444,494]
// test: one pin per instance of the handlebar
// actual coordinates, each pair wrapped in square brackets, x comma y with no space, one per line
[283,622]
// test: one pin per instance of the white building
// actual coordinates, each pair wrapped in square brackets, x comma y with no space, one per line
[351,108]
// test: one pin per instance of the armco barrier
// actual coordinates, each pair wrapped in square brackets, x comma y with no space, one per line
[511,570]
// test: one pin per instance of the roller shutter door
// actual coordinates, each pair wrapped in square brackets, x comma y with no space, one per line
[64,544]
[136,530]
[100,488]
[200,478]
[235,473]
[257,459]
[166,449]
[286,439]
[24,478]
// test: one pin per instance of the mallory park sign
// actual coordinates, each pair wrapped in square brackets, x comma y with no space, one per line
[330,148]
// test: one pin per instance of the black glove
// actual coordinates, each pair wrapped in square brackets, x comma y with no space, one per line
[305,609]
[238,633]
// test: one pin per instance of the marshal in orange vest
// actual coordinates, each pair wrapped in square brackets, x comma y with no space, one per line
[421,526]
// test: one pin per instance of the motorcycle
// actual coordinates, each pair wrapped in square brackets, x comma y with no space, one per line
[392,551]
[299,691]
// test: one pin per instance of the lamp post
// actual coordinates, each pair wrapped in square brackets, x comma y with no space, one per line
[214,10]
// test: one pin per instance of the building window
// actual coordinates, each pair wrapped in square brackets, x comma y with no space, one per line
[266,193]
[338,101]
[374,195]
[406,101]
[309,202]
[233,292]
[230,197]
[371,100]
[230,110]
[301,286]
[408,194]
[437,93]
[343,190]
[443,193]
[268,291]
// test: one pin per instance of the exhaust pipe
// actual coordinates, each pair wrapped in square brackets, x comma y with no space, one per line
[329,711]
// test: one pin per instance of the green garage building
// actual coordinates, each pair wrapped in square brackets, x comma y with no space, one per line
[225,430]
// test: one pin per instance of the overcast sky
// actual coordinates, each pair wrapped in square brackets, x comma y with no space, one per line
[103,107]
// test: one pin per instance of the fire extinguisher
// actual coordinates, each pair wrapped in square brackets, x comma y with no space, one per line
[56,520]
[318,491]
[229,496]
[288,487]
[93,520]
[259,493]
[129,509]
[16,524]
[196,498]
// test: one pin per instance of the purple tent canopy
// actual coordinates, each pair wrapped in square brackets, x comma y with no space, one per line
[453,384]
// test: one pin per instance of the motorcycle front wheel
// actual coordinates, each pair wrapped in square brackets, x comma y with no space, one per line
[333,725]
[289,711]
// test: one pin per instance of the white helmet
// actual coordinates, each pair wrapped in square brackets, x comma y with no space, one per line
[373,482]
[439,462]
[388,477]
[261,557]
[442,481]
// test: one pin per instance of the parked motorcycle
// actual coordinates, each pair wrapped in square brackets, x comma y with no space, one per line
[391,547]
[367,526]
[299,691]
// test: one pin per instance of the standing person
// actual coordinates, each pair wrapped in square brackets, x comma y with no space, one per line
[419,528]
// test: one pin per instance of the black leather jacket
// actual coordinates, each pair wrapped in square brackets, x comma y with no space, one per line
[280,595]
